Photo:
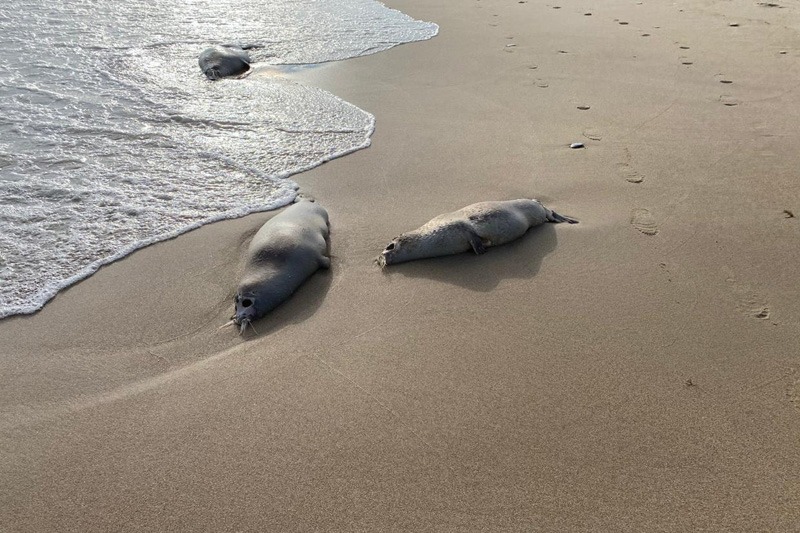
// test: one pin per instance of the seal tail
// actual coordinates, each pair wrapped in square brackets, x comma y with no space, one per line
[556,218]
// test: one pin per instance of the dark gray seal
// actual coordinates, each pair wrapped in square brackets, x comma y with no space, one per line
[224,61]
[477,227]
[285,252]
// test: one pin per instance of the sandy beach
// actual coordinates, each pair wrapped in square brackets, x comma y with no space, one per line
[638,371]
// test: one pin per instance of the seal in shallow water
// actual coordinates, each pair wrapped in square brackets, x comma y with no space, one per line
[477,227]
[223,61]
[282,255]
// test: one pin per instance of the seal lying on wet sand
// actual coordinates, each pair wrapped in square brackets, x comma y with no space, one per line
[477,227]
[223,61]
[282,255]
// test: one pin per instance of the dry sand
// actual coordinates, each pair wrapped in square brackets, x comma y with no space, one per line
[636,372]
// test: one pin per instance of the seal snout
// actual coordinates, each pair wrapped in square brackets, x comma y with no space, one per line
[386,255]
[245,311]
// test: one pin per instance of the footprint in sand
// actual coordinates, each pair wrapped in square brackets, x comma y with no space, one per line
[643,220]
[537,82]
[747,301]
[627,171]
[793,388]
[593,134]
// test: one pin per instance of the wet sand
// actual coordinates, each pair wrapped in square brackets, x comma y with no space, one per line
[638,371]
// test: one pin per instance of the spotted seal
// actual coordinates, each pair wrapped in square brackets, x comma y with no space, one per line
[224,61]
[477,227]
[283,254]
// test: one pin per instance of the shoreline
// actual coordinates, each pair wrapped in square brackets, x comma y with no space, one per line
[635,371]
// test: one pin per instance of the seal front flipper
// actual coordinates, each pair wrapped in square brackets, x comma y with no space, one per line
[476,243]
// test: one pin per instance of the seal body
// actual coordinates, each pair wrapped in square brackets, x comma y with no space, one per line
[288,249]
[223,61]
[475,227]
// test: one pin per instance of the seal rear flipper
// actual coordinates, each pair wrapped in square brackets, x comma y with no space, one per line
[556,218]
[476,243]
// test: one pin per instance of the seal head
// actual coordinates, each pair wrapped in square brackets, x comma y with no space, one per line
[402,248]
[246,309]
[223,61]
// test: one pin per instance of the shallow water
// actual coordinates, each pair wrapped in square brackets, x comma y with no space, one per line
[111,138]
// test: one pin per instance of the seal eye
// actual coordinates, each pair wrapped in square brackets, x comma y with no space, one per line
[390,247]
[247,302]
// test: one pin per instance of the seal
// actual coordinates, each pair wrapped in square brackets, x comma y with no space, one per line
[224,61]
[283,254]
[477,227]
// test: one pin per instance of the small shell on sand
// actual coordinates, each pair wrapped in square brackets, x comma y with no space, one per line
[577,145]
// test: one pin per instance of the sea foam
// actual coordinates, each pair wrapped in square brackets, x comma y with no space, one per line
[111,139]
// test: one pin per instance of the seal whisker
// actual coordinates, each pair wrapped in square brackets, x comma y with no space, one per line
[227,324]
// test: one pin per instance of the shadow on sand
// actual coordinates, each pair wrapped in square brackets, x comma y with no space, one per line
[297,308]
[519,259]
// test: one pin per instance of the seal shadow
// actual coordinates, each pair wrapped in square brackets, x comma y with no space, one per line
[519,259]
[297,308]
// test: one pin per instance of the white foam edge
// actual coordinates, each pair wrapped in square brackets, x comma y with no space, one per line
[372,50]
[51,289]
